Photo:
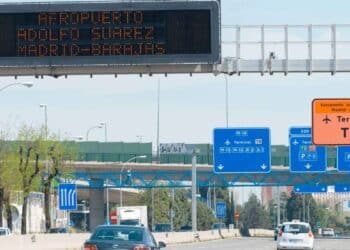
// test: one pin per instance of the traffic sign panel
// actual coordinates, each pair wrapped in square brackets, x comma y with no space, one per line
[67,196]
[331,121]
[342,188]
[343,158]
[242,150]
[308,189]
[220,210]
[303,155]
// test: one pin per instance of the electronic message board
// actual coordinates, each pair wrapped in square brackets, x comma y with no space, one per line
[136,32]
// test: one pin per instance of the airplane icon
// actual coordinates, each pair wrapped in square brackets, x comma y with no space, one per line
[326,120]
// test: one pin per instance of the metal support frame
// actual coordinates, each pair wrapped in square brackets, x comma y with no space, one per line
[242,61]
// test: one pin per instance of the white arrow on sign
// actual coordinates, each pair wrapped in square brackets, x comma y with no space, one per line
[263,166]
[221,167]
[308,166]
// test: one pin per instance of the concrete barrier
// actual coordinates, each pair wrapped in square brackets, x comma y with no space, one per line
[75,241]
[261,232]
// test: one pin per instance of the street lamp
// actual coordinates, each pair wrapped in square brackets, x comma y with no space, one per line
[88,131]
[105,126]
[120,176]
[25,84]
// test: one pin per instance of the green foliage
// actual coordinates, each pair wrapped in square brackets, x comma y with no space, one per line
[182,209]
[254,215]
[205,217]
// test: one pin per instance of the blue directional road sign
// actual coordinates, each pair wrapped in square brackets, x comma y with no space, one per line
[342,188]
[67,196]
[308,189]
[303,155]
[242,150]
[343,158]
[220,210]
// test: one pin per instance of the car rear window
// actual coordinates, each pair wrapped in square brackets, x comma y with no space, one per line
[295,229]
[118,234]
[2,232]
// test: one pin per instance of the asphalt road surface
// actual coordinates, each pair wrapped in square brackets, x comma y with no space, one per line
[259,244]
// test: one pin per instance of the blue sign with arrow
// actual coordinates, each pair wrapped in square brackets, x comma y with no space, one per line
[343,158]
[342,188]
[220,210]
[67,196]
[242,150]
[303,155]
[309,189]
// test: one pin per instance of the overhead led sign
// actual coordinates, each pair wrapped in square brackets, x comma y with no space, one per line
[109,32]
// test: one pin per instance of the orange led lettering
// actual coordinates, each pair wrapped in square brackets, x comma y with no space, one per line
[64,34]
[127,15]
[117,33]
[22,34]
[149,33]
[52,18]
[42,19]
[137,34]
[95,34]
[106,50]
[160,48]
[84,17]
[74,50]
[128,49]
[53,50]
[127,33]
[43,35]
[32,50]
[32,35]
[75,18]
[117,50]
[64,49]
[116,16]
[105,18]
[64,18]
[149,49]
[95,50]
[106,33]
[22,50]
[138,17]
[43,51]
[75,34]
[52,36]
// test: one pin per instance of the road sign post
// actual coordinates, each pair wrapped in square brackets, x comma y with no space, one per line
[303,155]
[67,196]
[220,210]
[242,150]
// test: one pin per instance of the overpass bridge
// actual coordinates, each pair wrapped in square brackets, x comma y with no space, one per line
[150,175]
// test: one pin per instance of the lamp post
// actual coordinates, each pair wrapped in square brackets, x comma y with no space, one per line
[104,124]
[25,84]
[88,131]
[120,176]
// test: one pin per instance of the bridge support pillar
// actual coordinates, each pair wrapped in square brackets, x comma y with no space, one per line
[96,204]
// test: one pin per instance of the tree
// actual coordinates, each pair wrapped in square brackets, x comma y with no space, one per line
[254,215]
[294,207]
[205,217]
[182,209]
[60,156]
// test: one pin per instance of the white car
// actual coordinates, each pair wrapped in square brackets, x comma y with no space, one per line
[295,235]
[4,231]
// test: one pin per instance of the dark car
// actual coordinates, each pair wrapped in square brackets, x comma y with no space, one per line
[110,237]
[186,228]
[162,227]
[58,230]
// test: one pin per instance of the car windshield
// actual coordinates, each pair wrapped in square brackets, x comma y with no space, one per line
[295,228]
[2,232]
[118,234]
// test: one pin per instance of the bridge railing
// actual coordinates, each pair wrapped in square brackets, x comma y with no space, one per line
[286,48]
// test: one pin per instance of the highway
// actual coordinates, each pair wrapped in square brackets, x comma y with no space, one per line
[259,244]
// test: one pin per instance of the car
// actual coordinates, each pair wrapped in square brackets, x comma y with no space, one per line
[216,226]
[275,232]
[186,228]
[162,227]
[328,232]
[5,231]
[295,235]
[58,230]
[107,237]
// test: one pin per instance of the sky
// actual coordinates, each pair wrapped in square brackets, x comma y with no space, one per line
[190,107]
